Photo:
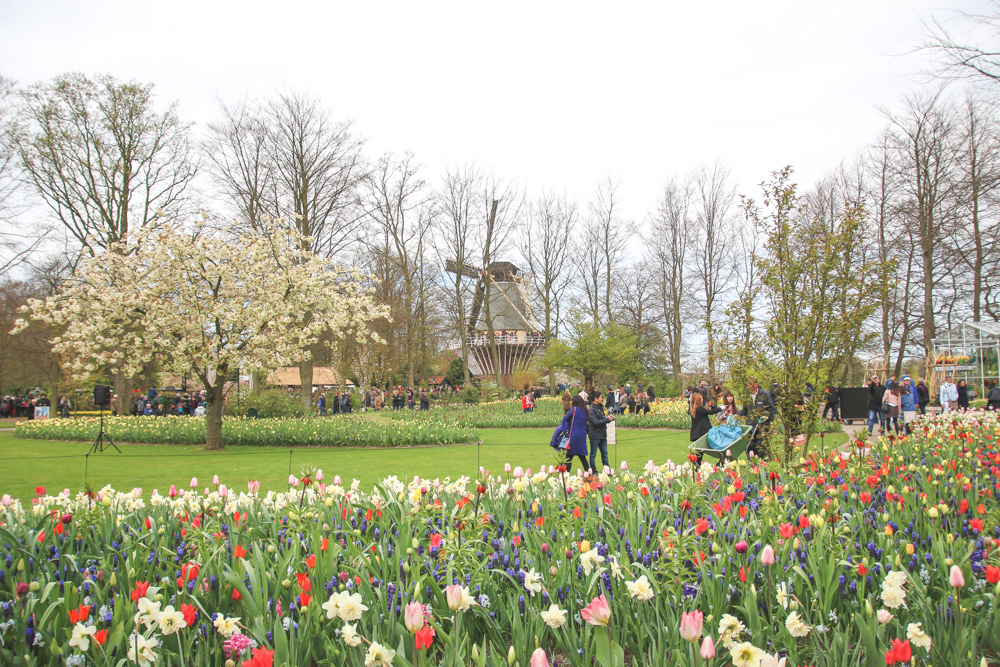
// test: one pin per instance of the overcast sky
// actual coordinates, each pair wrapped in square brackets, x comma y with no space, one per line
[555,94]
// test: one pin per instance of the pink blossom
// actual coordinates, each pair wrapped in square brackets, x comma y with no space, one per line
[598,612]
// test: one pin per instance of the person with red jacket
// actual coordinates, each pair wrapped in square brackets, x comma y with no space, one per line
[527,403]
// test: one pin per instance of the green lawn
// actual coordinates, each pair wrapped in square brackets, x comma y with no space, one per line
[58,465]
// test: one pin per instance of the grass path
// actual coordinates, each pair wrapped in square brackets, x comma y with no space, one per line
[25,464]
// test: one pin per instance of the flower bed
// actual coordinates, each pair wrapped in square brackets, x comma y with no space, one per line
[878,557]
[347,431]
[548,413]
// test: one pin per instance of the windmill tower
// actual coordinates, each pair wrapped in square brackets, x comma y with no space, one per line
[516,332]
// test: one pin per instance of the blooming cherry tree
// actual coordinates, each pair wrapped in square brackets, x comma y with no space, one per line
[203,304]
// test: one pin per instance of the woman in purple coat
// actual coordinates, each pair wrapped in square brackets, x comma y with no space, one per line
[574,424]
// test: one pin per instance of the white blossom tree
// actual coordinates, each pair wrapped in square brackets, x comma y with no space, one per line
[202,304]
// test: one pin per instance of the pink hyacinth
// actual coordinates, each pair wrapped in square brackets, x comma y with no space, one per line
[235,645]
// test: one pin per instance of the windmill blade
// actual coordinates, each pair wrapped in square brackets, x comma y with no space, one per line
[451,266]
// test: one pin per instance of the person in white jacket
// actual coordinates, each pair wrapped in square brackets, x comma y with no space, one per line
[949,395]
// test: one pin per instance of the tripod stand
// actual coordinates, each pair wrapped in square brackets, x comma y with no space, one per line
[102,438]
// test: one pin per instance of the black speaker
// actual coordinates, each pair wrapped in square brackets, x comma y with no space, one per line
[102,394]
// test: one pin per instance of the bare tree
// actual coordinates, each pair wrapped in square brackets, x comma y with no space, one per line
[978,233]
[396,204]
[671,242]
[924,134]
[15,247]
[238,157]
[968,52]
[548,232]
[712,248]
[457,225]
[610,234]
[101,157]
[318,167]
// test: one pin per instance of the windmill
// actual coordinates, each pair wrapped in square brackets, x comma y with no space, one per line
[516,331]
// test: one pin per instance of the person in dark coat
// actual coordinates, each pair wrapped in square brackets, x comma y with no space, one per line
[963,396]
[923,397]
[574,424]
[425,402]
[701,422]
[876,395]
[993,397]
[597,429]
[832,396]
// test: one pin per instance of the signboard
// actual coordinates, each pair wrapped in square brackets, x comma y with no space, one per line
[41,412]
[612,434]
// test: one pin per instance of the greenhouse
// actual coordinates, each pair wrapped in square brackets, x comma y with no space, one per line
[969,351]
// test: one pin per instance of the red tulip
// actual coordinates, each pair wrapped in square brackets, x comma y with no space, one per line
[424,637]
[190,613]
[140,590]
[239,552]
[100,637]
[993,574]
[311,561]
[304,599]
[304,584]
[260,658]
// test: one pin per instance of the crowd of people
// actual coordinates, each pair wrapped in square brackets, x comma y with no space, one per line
[23,407]
[156,404]
[400,398]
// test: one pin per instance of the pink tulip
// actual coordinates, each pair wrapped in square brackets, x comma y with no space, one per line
[506,467]
[253,487]
[292,481]
[538,658]
[194,482]
[527,473]
[172,491]
[336,480]
[6,501]
[322,488]
[957,579]
[518,472]
[215,480]
[413,615]
[767,556]
[223,491]
[691,625]
[624,465]
[707,649]
[741,547]
[597,612]
[319,475]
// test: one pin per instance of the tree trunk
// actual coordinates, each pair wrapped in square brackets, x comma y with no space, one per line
[306,380]
[213,413]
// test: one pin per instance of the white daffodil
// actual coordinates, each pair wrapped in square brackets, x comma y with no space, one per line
[918,637]
[532,582]
[82,634]
[140,650]
[350,635]
[226,625]
[590,560]
[640,589]
[796,626]
[171,621]
[379,656]
[351,607]
[555,617]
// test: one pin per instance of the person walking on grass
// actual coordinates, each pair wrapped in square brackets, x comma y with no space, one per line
[574,427]
[567,401]
[597,429]
[908,402]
